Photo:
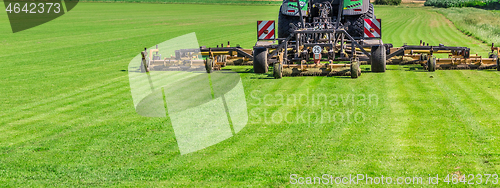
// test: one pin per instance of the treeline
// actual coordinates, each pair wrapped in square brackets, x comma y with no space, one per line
[462,3]
[387,2]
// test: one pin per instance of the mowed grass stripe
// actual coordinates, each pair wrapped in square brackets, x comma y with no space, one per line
[471,97]
[64,96]
[59,115]
[422,23]
[409,138]
[268,134]
[465,138]
[16,113]
[452,131]
[489,77]
[435,111]
[371,138]
[97,53]
[484,122]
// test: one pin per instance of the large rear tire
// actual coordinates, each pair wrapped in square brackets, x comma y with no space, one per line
[357,23]
[378,60]
[260,60]
[284,24]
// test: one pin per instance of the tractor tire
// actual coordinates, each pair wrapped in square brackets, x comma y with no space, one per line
[355,72]
[208,65]
[260,60]
[431,64]
[277,71]
[356,28]
[284,22]
[378,61]
[498,64]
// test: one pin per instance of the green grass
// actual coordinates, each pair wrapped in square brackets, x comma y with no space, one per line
[479,23]
[67,116]
[424,24]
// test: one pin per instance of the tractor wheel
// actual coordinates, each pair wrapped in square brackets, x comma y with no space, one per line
[355,72]
[277,71]
[498,64]
[357,23]
[284,22]
[431,64]
[378,60]
[260,60]
[208,65]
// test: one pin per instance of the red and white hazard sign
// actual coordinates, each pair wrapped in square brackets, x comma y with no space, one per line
[265,29]
[373,28]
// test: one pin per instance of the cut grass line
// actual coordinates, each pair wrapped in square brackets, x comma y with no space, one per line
[64,96]
[423,24]
[403,112]
[473,136]
[55,114]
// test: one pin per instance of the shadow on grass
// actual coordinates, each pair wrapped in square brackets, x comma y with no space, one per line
[241,71]
[366,70]
[267,76]
[344,77]
[412,67]
[415,69]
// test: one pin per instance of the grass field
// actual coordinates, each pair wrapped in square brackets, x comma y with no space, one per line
[423,24]
[67,116]
[479,23]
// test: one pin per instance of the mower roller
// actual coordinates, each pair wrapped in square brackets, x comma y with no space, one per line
[184,60]
[189,59]
[458,57]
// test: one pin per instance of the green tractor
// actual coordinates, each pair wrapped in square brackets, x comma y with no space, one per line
[352,17]
[314,31]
